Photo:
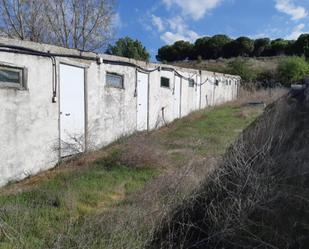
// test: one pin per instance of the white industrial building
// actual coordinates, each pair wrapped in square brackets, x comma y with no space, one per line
[57,102]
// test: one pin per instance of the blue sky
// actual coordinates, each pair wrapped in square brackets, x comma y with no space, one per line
[159,22]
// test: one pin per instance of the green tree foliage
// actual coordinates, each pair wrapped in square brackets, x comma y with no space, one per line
[180,50]
[278,47]
[243,46]
[183,50]
[301,45]
[223,46]
[292,70]
[242,68]
[215,46]
[129,48]
[166,53]
[261,46]
[201,49]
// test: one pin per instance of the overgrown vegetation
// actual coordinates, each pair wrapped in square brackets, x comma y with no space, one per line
[258,72]
[115,198]
[292,69]
[258,197]
[243,69]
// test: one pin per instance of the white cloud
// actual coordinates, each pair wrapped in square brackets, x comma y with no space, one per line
[288,7]
[117,22]
[170,38]
[158,23]
[196,9]
[178,30]
[297,31]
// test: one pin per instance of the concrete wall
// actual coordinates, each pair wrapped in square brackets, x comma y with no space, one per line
[29,120]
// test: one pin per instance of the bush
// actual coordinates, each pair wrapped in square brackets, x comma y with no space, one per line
[242,68]
[267,79]
[292,70]
[257,197]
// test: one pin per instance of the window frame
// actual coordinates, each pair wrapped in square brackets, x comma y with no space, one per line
[121,76]
[22,85]
[169,82]
[190,82]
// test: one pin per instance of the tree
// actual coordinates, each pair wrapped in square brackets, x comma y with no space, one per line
[200,47]
[24,20]
[166,53]
[211,47]
[292,70]
[301,45]
[216,44]
[278,47]
[242,46]
[183,50]
[129,48]
[260,46]
[79,24]
[245,46]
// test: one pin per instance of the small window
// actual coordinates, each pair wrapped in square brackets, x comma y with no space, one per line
[191,82]
[165,82]
[217,82]
[11,77]
[114,80]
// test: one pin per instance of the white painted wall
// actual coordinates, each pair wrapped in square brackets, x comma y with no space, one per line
[29,121]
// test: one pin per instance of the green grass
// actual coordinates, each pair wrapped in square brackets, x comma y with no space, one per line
[39,214]
[35,217]
[212,132]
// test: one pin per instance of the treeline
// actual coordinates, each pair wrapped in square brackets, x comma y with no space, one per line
[222,46]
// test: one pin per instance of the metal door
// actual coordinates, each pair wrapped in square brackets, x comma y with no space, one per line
[177,97]
[142,101]
[72,110]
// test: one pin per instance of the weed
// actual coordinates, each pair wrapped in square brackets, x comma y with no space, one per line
[116,197]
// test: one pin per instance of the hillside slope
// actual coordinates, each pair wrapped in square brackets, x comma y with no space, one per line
[221,65]
[259,197]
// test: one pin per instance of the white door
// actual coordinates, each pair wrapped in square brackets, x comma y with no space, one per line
[72,110]
[177,97]
[142,101]
[198,92]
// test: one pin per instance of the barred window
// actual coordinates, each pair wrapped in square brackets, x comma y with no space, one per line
[114,80]
[165,82]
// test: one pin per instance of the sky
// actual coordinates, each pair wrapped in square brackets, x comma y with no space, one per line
[160,22]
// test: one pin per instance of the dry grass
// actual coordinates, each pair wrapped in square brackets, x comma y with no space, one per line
[117,197]
[258,197]
[266,96]
[220,65]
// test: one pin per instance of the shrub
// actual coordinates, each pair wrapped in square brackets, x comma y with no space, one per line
[242,68]
[257,197]
[292,70]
